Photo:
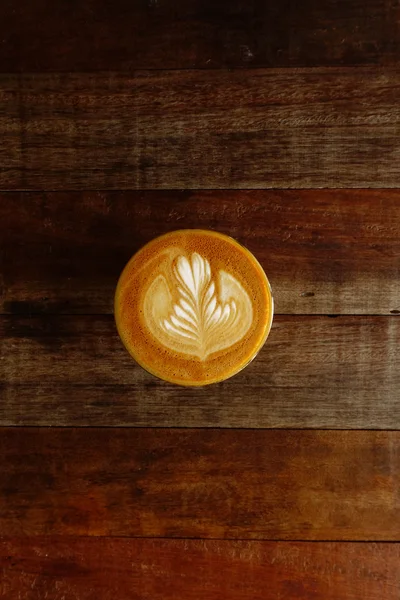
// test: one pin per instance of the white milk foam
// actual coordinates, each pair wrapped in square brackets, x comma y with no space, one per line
[195,311]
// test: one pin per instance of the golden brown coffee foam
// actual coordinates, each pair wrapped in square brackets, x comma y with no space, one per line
[197,359]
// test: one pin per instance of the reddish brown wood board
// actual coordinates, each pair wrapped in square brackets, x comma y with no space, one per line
[231,484]
[102,568]
[324,251]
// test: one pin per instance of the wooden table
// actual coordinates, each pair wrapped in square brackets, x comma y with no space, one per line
[275,122]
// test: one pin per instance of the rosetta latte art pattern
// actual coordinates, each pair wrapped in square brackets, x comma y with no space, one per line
[194,314]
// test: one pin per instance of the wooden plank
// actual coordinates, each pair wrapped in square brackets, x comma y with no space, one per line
[325,251]
[84,568]
[313,372]
[289,128]
[201,483]
[91,35]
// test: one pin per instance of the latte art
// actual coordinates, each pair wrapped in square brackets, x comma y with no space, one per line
[193,307]
[202,320]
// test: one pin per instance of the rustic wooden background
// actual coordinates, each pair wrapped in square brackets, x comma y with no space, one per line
[275,122]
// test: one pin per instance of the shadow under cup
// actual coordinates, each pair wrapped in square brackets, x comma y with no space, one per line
[193,307]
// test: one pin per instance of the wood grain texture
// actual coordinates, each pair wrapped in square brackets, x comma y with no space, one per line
[289,128]
[201,483]
[88,568]
[95,35]
[313,372]
[325,251]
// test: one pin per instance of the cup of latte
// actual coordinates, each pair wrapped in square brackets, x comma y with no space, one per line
[193,307]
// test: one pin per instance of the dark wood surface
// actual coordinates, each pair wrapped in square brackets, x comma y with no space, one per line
[204,483]
[193,129]
[121,121]
[87,568]
[93,35]
[324,251]
[313,372]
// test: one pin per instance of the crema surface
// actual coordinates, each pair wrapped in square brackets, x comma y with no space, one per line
[193,307]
